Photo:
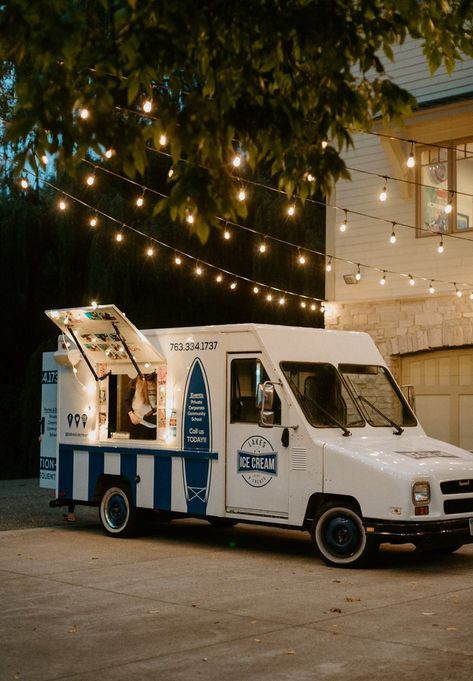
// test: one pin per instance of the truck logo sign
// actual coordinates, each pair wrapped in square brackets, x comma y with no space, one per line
[257,461]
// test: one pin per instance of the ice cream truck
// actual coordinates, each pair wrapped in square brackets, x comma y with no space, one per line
[301,428]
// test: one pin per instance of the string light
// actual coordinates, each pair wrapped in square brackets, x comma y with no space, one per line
[119,237]
[150,251]
[236,162]
[303,304]
[170,172]
[199,270]
[190,219]
[282,300]
[358,274]
[324,144]
[412,281]
[163,140]
[140,199]
[328,266]
[431,287]
[90,180]
[84,114]
[109,153]
[392,238]
[147,106]
[62,204]
[291,210]
[384,192]
[241,195]
[262,248]
[44,159]
[177,260]
[227,234]
[440,248]
[24,184]
[269,297]
[313,307]
[233,285]
[219,278]
[310,177]
[301,259]
[471,296]
[382,281]
[411,161]
[255,289]
[458,292]
[449,207]
[344,225]
[93,221]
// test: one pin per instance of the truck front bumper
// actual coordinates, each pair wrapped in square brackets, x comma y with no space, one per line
[436,533]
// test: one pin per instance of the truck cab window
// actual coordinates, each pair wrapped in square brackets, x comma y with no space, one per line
[246,376]
[322,394]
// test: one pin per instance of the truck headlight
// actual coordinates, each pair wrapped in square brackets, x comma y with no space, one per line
[421,493]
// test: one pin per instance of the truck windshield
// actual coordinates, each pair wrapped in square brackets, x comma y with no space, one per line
[322,395]
[378,397]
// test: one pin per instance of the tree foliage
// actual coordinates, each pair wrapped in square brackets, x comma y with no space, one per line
[270,79]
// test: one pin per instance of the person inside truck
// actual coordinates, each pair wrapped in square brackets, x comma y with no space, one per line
[141,407]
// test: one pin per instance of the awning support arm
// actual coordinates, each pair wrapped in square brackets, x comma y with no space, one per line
[79,347]
[127,350]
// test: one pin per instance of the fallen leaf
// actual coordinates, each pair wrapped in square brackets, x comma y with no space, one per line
[335,610]
[73,629]
[290,652]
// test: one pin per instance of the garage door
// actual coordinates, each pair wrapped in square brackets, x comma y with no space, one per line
[443,384]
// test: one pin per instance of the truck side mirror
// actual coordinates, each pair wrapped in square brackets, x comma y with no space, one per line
[265,404]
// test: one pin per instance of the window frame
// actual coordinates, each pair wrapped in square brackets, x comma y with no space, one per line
[452,147]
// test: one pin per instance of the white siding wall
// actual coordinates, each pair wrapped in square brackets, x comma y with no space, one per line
[366,240]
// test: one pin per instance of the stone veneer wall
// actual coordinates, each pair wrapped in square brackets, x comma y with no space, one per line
[407,325]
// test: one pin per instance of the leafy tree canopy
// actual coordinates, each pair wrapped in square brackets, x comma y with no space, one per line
[268,79]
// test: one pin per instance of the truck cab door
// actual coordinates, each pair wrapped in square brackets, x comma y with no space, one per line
[257,465]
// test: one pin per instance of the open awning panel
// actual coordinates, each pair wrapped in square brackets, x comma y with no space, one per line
[104,335]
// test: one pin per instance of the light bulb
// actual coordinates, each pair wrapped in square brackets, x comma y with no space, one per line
[269,297]
[255,289]
[219,278]
[358,275]
[384,194]
[163,140]
[448,208]
[150,251]
[382,281]
[140,201]
[44,159]
[303,304]
[190,219]
[84,114]
[226,235]
[93,221]
[109,153]
[177,260]
[241,195]
[313,307]
[310,178]
[440,248]
[170,172]
[282,300]
[412,281]
[62,205]
[90,180]
[471,296]
[324,144]
[301,259]
[198,270]
[147,106]
[119,237]
[262,248]
[233,285]
[431,288]
[291,210]
[411,160]
[93,304]
[392,238]
[328,266]
[236,161]
[24,184]
[458,293]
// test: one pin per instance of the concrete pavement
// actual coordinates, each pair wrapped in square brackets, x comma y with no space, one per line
[192,601]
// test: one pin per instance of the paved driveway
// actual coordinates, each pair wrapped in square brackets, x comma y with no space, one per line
[191,601]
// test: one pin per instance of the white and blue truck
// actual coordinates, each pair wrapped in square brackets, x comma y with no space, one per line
[291,427]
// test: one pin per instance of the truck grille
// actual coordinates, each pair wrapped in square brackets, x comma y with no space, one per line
[463,504]
[458,506]
[456,486]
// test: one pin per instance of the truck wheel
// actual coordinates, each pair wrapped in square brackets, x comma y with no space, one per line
[117,513]
[340,538]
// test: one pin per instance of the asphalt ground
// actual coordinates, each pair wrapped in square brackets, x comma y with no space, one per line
[188,600]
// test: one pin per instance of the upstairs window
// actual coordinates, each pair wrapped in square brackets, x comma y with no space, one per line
[445,178]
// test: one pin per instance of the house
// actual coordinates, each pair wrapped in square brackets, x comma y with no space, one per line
[402,270]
